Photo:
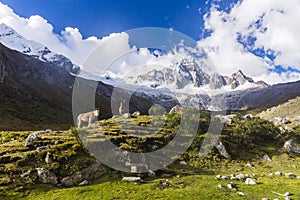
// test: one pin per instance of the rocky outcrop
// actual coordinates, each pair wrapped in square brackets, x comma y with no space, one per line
[292,147]
[45,176]
[94,171]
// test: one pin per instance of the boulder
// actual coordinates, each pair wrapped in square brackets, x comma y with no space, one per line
[45,176]
[126,115]
[250,181]
[94,171]
[292,147]
[136,113]
[221,148]
[42,148]
[31,139]
[290,175]
[131,179]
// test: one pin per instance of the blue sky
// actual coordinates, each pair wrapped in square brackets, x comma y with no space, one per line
[102,17]
[258,37]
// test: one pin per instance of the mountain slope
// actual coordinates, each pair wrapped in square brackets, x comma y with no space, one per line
[13,40]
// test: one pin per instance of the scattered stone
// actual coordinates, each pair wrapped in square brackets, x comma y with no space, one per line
[183,163]
[126,115]
[164,184]
[136,113]
[290,175]
[229,186]
[240,176]
[248,116]
[221,148]
[287,198]
[45,176]
[241,193]
[271,175]
[131,179]
[250,181]
[264,199]
[151,173]
[298,177]
[218,177]
[26,175]
[266,158]
[292,147]
[92,172]
[42,148]
[48,131]
[220,186]
[49,158]
[278,173]
[250,165]
[85,182]
[56,142]
[31,139]
[225,177]
[287,194]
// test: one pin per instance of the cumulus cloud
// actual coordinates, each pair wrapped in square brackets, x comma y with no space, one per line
[69,42]
[269,26]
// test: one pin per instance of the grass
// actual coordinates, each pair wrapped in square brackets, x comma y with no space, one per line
[196,180]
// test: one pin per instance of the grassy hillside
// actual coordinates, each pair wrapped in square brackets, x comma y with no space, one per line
[245,140]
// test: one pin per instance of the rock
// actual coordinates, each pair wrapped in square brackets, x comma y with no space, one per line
[176,109]
[298,177]
[248,116]
[290,175]
[164,184]
[221,148]
[131,179]
[56,142]
[270,175]
[264,199]
[49,158]
[250,181]
[92,172]
[225,177]
[218,177]
[151,173]
[220,186]
[287,194]
[241,193]
[31,139]
[26,175]
[292,147]
[48,131]
[288,129]
[85,182]
[266,158]
[45,176]
[240,176]
[223,119]
[126,115]
[182,163]
[278,173]
[136,113]
[42,148]
[250,165]
[229,186]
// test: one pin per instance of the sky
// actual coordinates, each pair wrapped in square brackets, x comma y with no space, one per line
[258,37]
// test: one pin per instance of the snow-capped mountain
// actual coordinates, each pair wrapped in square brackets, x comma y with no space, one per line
[13,40]
[187,73]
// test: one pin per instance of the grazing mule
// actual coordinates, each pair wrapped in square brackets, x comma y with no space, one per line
[88,117]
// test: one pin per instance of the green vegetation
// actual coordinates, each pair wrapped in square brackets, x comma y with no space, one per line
[246,140]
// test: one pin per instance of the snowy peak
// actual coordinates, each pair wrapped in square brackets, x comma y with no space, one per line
[13,40]
[187,72]
[240,79]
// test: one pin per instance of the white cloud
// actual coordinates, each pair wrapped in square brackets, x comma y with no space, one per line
[69,43]
[277,29]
